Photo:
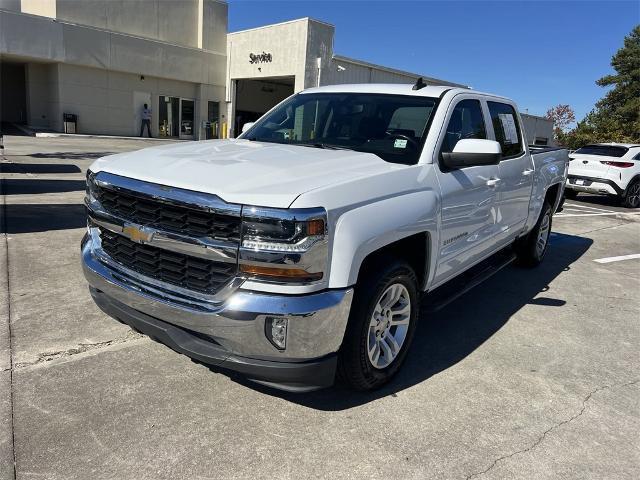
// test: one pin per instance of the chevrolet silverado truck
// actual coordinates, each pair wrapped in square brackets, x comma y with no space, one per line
[298,252]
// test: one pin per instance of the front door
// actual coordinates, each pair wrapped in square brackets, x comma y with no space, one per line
[469,196]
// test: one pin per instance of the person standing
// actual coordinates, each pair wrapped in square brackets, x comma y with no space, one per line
[146,120]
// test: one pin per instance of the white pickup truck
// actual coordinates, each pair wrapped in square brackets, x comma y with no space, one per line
[300,250]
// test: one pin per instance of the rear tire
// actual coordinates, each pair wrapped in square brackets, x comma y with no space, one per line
[531,248]
[570,194]
[631,197]
[381,326]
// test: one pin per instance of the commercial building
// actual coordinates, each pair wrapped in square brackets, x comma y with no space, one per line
[103,60]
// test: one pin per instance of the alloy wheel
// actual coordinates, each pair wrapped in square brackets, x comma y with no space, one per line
[389,325]
[543,234]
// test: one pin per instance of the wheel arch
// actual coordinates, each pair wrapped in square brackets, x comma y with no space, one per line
[403,226]
[553,195]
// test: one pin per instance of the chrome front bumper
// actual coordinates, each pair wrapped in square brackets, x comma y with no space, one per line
[236,325]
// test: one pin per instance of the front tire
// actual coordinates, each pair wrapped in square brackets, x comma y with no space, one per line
[631,198]
[530,249]
[381,326]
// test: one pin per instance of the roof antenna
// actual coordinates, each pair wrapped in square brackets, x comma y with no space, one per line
[419,84]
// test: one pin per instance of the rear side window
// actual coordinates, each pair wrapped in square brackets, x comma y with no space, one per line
[466,122]
[637,157]
[506,128]
[604,150]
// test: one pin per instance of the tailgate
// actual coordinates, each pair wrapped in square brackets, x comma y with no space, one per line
[588,166]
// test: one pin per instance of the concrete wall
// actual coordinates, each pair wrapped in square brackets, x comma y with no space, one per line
[105,101]
[535,126]
[192,23]
[42,88]
[319,46]
[37,38]
[287,44]
[14,5]
[214,26]
[45,8]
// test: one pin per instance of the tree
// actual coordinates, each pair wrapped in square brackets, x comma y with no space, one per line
[616,117]
[618,113]
[563,117]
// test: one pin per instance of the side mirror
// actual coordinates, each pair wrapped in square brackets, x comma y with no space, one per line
[471,152]
[247,126]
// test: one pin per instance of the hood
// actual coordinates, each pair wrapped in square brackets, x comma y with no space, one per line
[243,171]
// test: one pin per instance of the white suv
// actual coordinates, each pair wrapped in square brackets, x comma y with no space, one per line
[606,168]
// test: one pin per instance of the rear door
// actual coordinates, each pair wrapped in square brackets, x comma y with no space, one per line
[516,171]
[468,215]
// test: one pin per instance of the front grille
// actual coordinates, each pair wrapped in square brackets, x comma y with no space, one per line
[165,216]
[193,273]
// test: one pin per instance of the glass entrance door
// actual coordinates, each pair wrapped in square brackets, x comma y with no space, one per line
[187,116]
[168,121]
[176,117]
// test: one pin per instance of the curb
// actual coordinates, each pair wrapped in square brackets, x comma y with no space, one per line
[114,137]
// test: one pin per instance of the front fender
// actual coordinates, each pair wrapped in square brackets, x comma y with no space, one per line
[363,230]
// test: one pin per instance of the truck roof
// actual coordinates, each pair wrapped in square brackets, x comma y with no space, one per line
[394,89]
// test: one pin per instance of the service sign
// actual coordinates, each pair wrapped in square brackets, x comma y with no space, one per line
[263,57]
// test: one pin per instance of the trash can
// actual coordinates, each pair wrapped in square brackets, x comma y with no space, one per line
[70,121]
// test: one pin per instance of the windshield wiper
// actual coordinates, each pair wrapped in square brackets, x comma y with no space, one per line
[325,146]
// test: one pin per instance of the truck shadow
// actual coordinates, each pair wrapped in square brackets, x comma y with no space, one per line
[447,336]
[31,218]
[29,186]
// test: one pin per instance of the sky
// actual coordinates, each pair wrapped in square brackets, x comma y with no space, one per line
[539,53]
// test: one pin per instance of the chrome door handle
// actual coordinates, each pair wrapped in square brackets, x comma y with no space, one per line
[528,172]
[492,182]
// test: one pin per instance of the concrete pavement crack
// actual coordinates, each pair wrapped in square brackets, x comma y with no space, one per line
[541,438]
[3,233]
[81,348]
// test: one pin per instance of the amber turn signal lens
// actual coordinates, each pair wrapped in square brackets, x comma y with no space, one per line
[315,227]
[275,273]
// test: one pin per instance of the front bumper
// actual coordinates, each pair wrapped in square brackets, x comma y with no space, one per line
[229,334]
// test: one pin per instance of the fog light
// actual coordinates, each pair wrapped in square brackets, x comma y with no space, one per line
[276,331]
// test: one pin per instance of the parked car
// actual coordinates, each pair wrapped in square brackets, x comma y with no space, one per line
[302,248]
[606,168]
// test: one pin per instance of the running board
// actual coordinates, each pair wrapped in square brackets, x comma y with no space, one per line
[452,290]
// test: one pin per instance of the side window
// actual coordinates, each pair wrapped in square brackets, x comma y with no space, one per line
[506,128]
[637,157]
[466,122]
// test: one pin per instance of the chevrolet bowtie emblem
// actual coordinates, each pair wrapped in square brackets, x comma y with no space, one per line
[137,233]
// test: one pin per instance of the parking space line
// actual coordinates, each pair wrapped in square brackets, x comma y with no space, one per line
[617,259]
[587,206]
[561,215]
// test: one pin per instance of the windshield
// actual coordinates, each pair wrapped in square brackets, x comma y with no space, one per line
[605,150]
[392,127]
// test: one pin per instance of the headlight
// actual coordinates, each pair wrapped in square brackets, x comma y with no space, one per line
[91,186]
[282,230]
[284,246]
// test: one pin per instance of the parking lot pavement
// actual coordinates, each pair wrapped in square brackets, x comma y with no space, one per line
[533,374]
